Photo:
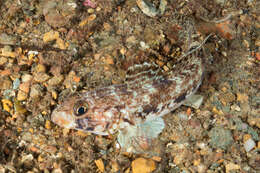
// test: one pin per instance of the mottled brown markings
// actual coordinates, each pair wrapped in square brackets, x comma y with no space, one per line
[185,82]
[128,121]
[119,107]
[181,98]
[107,108]
[162,84]
[149,108]
[146,92]
[102,92]
[90,128]
[107,125]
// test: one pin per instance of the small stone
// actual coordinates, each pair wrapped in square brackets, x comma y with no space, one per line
[54,94]
[6,39]
[227,97]
[144,45]
[48,124]
[241,97]
[21,96]
[27,136]
[231,166]
[41,77]
[131,40]
[50,36]
[194,101]
[25,87]
[87,20]
[249,144]
[19,108]
[143,165]
[56,80]
[3,60]
[26,78]
[16,83]
[91,10]
[115,166]
[36,91]
[257,42]
[5,83]
[7,52]
[7,105]
[40,68]
[107,26]
[183,116]
[108,60]
[61,44]
[254,121]
[25,158]
[55,19]
[99,163]
[220,137]
[50,149]
[236,108]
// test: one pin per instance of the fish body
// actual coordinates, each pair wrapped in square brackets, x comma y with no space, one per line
[147,94]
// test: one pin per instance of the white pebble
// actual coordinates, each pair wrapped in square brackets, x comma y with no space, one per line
[249,145]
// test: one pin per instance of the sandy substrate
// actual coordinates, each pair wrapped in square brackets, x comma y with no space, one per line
[53,48]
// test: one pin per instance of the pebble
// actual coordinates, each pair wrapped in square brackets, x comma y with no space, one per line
[21,96]
[100,165]
[26,78]
[87,20]
[231,166]
[56,80]
[41,77]
[144,45]
[16,84]
[57,14]
[7,52]
[143,165]
[249,144]
[27,136]
[36,91]
[183,116]
[220,137]
[6,39]
[194,101]
[241,97]
[19,108]
[54,35]
[3,60]
[7,105]
[5,83]
[235,107]
[149,9]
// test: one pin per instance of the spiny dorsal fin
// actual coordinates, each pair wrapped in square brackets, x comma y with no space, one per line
[146,70]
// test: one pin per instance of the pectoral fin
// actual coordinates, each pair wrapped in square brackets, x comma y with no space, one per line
[139,138]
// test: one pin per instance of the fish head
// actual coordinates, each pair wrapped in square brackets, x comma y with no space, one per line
[81,113]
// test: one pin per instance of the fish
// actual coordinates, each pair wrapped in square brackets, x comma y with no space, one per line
[133,109]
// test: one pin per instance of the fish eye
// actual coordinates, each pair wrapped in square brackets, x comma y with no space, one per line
[80,108]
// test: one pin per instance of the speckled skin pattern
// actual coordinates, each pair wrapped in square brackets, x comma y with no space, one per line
[146,93]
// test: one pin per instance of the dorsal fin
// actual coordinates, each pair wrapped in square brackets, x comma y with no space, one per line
[146,70]
[140,67]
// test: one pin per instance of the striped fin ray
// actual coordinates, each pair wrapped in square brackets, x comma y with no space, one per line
[143,73]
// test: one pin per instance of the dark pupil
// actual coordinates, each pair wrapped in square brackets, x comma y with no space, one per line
[81,110]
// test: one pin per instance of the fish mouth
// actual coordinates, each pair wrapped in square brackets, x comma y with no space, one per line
[63,119]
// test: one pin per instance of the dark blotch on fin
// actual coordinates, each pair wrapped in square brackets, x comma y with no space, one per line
[181,98]
[90,128]
[149,108]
